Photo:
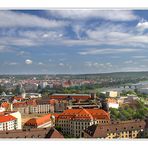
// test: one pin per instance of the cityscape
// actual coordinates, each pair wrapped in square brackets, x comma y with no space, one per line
[68,74]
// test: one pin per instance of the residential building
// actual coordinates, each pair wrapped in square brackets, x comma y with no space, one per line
[32,106]
[112,103]
[74,121]
[112,94]
[75,97]
[118,129]
[32,133]
[41,122]
[7,122]
[10,120]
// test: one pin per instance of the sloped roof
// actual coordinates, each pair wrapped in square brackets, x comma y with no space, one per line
[101,131]
[72,114]
[39,121]
[6,118]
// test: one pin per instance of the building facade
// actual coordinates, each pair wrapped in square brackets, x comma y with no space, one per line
[74,121]
[122,129]
[32,133]
[10,121]
[42,122]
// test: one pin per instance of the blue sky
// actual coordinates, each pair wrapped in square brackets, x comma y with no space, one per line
[73,41]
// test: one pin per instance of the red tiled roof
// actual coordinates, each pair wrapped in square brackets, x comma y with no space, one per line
[26,103]
[6,118]
[52,101]
[18,98]
[5,105]
[99,131]
[84,114]
[56,115]
[39,121]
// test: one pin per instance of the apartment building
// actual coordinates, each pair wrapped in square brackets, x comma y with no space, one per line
[112,103]
[122,129]
[74,97]
[32,133]
[74,121]
[41,122]
[32,106]
[10,121]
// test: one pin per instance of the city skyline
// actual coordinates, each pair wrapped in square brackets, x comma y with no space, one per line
[73,41]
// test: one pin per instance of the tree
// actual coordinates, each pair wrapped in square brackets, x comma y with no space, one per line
[58,128]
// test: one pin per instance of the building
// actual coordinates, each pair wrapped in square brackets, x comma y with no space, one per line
[32,133]
[75,97]
[32,106]
[112,103]
[74,121]
[143,90]
[10,121]
[17,115]
[33,95]
[132,97]
[2,109]
[79,106]
[42,122]
[144,133]
[112,94]
[121,129]
[44,84]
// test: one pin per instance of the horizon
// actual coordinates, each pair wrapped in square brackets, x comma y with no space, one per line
[73,41]
[79,74]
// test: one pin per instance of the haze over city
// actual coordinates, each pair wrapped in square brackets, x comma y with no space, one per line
[73,41]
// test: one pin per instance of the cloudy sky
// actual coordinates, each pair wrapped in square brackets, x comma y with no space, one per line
[73,41]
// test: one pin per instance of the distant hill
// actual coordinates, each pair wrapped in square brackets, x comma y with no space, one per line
[115,75]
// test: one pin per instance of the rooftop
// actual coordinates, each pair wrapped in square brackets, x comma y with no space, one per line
[39,121]
[32,133]
[6,118]
[100,131]
[84,114]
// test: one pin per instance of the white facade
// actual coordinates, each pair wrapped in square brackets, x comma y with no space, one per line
[9,125]
[44,84]
[18,117]
[2,109]
[112,94]
[113,105]
[33,95]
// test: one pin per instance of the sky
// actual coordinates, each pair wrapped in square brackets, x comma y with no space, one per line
[73,41]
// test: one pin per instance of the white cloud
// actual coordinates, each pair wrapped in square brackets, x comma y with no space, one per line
[106,51]
[14,19]
[82,14]
[139,57]
[4,48]
[28,61]
[40,63]
[128,62]
[61,64]
[98,65]
[142,25]
[13,63]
